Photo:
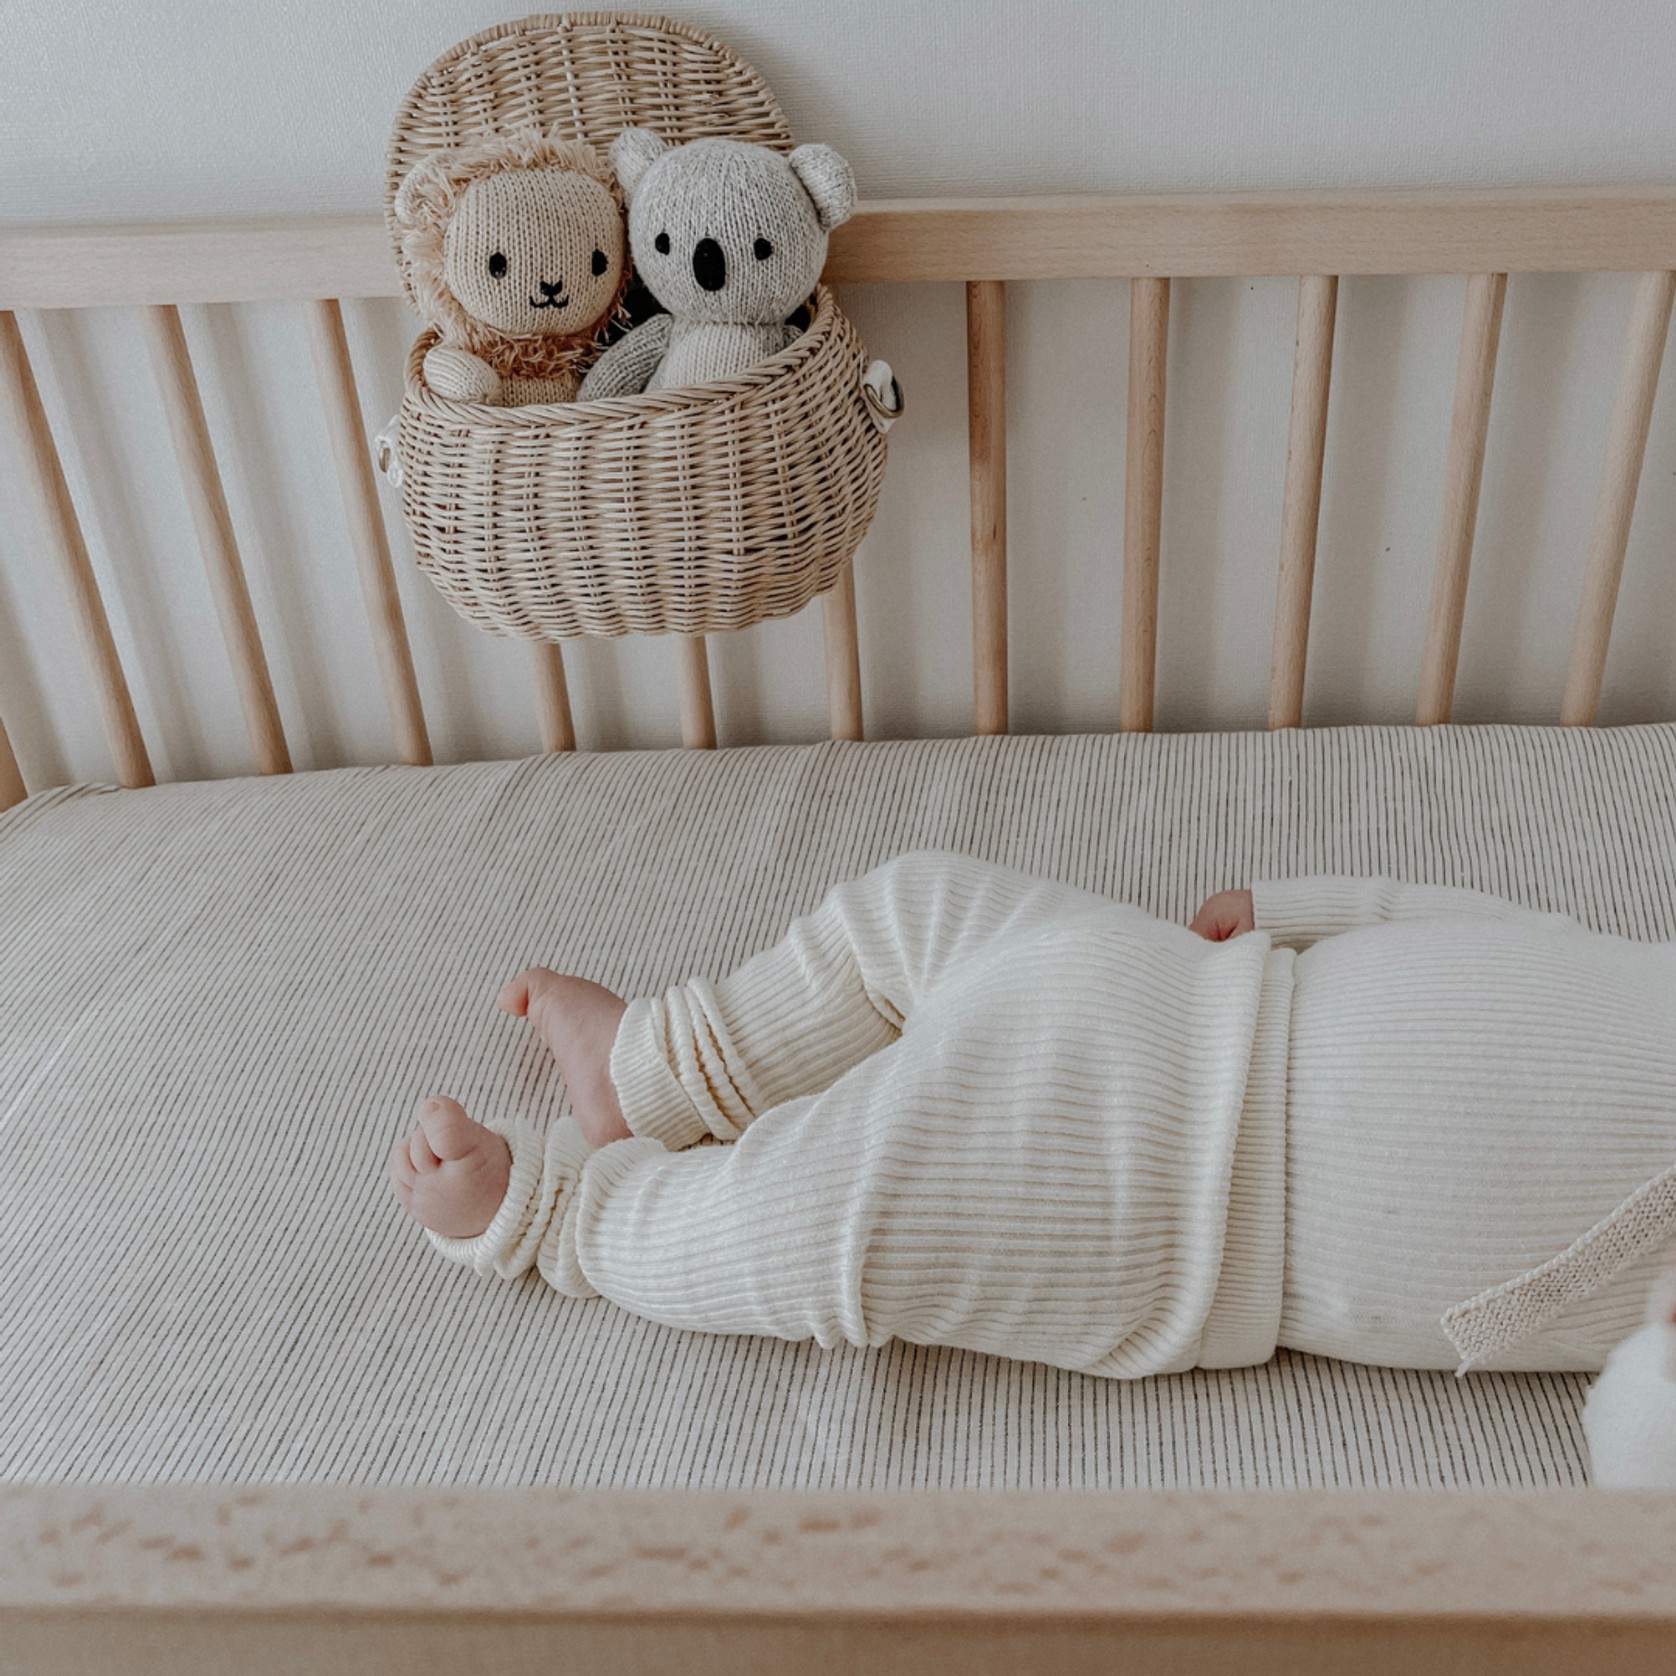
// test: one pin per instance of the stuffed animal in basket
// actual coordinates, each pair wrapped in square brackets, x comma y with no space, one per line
[1630,1416]
[515,246]
[731,239]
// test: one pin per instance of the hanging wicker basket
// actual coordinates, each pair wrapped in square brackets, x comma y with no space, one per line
[683,510]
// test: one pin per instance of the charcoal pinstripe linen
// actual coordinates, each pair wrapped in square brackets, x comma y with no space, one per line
[220,1002]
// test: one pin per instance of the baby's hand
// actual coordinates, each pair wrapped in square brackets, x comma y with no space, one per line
[451,1173]
[1226,914]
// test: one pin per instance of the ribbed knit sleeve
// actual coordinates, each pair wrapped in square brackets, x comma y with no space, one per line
[707,1058]
[1298,912]
[533,1226]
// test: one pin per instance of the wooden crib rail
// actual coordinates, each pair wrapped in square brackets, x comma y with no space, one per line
[171,1578]
[1319,236]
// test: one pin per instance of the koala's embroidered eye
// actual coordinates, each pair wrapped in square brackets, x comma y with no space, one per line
[762,250]
[600,264]
[497,266]
[661,244]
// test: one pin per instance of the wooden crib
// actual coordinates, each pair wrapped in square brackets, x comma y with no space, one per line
[295,1577]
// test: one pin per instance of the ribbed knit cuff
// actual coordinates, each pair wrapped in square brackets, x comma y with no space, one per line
[1297,912]
[655,1106]
[533,1221]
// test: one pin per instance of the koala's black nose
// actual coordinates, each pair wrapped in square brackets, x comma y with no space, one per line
[709,265]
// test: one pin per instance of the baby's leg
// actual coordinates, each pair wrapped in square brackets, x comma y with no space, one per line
[989,1180]
[578,1020]
[708,1058]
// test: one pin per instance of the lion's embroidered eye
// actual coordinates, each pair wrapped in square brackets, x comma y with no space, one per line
[661,244]
[600,264]
[497,266]
[762,250]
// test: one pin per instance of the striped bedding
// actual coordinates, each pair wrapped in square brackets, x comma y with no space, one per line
[219,1003]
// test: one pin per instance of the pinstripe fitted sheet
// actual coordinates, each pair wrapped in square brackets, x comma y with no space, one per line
[221,1001]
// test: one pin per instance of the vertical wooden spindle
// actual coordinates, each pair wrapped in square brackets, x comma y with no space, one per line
[12,788]
[334,372]
[1143,500]
[843,657]
[698,716]
[1475,377]
[184,409]
[1300,518]
[62,529]
[1626,446]
[552,696]
[986,419]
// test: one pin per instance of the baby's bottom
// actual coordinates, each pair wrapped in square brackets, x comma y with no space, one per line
[1466,1099]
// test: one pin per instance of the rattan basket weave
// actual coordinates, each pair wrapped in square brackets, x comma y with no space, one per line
[684,510]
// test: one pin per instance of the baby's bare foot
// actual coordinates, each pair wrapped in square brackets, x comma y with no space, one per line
[450,1174]
[578,1021]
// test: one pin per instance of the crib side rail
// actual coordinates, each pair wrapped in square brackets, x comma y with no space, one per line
[166,1578]
[984,243]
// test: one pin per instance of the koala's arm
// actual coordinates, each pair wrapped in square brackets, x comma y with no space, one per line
[459,376]
[627,366]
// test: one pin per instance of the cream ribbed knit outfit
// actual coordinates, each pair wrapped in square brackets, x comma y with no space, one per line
[967,1107]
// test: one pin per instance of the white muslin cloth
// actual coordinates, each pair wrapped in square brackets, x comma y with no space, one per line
[960,1106]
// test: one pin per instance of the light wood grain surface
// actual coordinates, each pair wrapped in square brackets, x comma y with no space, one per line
[1143,500]
[986,436]
[1623,229]
[843,658]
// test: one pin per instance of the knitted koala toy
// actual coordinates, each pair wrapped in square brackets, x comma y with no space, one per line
[515,247]
[730,238]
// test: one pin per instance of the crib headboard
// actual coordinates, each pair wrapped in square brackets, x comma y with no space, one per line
[1150,241]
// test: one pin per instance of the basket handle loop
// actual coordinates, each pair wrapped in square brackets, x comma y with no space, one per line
[883,395]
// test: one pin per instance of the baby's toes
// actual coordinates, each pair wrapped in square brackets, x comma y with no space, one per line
[447,1130]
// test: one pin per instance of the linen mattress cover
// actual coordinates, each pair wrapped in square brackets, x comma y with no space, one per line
[221,1002]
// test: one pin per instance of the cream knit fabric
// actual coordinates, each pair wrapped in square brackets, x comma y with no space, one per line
[965,1107]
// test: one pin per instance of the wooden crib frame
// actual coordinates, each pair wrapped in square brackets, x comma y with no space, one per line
[266,1580]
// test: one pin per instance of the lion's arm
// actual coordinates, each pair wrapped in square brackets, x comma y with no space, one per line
[459,376]
[627,366]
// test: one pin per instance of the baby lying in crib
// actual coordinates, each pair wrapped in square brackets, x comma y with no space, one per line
[1393,1123]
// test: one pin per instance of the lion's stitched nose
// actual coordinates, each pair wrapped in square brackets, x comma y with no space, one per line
[550,287]
[709,265]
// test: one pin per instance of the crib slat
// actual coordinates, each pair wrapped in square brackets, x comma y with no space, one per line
[63,532]
[986,433]
[1143,500]
[698,716]
[184,409]
[1300,519]
[334,372]
[1626,446]
[12,788]
[552,697]
[1306,448]
[843,658]
[1475,377]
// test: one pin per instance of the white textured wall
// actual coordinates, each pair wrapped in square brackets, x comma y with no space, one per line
[196,108]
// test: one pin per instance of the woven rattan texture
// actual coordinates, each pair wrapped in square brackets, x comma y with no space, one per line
[684,510]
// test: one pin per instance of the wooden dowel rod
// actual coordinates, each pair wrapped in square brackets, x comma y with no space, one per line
[1143,500]
[1300,518]
[334,372]
[1626,446]
[62,529]
[843,657]
[552,696]
[184,409]
[986,420]
[12,788]
[1475,377]
[698,716]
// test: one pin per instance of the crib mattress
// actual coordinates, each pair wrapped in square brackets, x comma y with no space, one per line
[222,1001]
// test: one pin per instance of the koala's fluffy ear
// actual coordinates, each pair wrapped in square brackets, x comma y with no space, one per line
[633,152]
[829,180]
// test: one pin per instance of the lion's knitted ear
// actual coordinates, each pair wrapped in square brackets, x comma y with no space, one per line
[420,183]
[828,180]
[633,152]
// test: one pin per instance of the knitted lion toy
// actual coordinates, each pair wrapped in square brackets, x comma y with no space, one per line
[515,245]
